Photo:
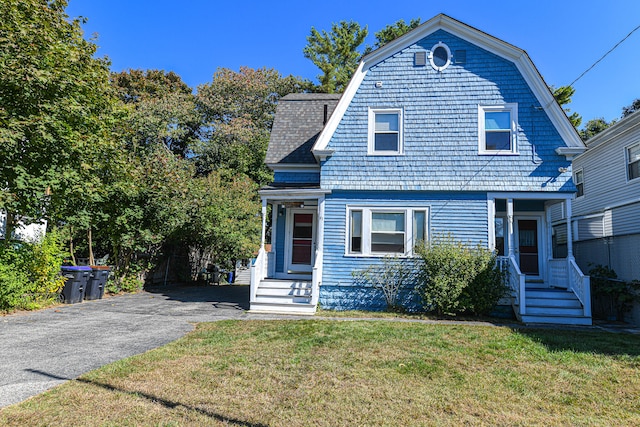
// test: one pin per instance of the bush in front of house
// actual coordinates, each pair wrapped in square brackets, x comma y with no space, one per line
[457,278]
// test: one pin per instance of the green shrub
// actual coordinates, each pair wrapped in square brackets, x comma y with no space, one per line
[457,278]
[128,283]
[392,275]
[611,297]
[30,273]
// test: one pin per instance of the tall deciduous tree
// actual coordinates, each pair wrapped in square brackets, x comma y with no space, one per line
[335,53]
[237,110]
[630,109]
[163,110]
[56,104]
[594,127]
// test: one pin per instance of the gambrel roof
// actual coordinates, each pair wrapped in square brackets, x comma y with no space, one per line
[517,56]
[300,117]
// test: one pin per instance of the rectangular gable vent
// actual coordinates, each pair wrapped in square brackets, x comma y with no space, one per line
[460,56]
[420,58]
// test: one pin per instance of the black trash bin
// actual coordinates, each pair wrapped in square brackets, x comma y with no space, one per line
[76,278]
[97,282]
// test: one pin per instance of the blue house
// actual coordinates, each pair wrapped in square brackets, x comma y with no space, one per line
[444,130]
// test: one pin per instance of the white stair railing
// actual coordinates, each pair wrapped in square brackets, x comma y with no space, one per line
[258,272]
[316,279]
[517,283]
[580,285]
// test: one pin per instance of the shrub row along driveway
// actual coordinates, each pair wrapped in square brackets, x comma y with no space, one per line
[43,349]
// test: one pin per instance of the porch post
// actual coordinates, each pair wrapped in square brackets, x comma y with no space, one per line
[264,223]
[491,208]
[569,230]
[510,227]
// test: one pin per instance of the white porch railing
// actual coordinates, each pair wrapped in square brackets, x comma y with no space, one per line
[316,279]
[580,285]
[258,272]
[558,274]
[516,281]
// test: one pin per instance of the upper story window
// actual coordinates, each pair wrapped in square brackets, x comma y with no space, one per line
[385,131]
[578,179]
[440,56]
[381,231]
[633,162]
[497,125]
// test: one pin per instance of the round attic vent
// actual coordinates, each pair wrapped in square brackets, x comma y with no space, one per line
[440,56]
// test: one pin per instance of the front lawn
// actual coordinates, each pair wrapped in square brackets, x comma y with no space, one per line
[356,373]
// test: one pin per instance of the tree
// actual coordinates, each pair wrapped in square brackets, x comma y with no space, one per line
[56,104]
[163,109]
[630,109]
[392,32]
[237,111]
[594,127]
[335,53]
[563,96]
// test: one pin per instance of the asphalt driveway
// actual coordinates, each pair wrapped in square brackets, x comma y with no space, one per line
[43,349]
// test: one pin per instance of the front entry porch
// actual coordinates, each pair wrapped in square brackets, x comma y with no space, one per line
[286,274]
[544,289]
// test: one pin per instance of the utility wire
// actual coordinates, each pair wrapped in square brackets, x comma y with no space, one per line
[603,56]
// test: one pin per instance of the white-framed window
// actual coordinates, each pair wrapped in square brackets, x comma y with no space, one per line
[578,180]
[377,231]
[385,131]
[497,129]
[633,162]
[440,56]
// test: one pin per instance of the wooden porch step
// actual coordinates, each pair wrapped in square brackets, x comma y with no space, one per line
[283,296]
[556,320]
[282,308]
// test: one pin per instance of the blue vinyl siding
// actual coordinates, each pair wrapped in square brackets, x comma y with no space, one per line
[297,177]
[464,215]
[440,127]
[281,229]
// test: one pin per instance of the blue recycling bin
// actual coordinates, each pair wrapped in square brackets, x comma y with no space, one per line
[76,278]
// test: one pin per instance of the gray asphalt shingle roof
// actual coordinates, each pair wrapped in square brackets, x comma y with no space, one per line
[300,117]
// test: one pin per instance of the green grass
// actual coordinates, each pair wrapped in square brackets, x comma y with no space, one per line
[362,373]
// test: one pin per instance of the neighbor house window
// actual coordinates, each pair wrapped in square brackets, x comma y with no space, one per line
[497,126]
[385,131]
[382,231]
[579,181]
[633,161]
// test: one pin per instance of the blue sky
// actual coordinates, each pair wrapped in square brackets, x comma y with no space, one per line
[195,37]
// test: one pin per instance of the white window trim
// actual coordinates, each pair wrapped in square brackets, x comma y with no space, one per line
[372,131]
[510,107]
[626,162]
[433,65]
[366,229]
[575,181]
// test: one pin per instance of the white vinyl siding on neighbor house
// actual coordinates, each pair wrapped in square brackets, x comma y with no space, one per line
[385,131]
[497,129]
[385,231]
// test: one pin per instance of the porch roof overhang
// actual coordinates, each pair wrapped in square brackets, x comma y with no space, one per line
[539,195]
[292,192]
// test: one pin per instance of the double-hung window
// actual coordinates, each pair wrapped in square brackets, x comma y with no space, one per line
[385,131]
[578,178]
[382,231]
[633,162]
[497,125]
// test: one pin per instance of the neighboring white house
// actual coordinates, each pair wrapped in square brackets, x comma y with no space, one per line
[27,233]
[606,211]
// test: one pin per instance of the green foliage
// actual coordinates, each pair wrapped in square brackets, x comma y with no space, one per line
[611,297]
[391,276]
[237,115]
[29,273]
[335,53]
[563,96]
[392,32]
[56,104]
[594,127]
[630,109]
[456,278]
